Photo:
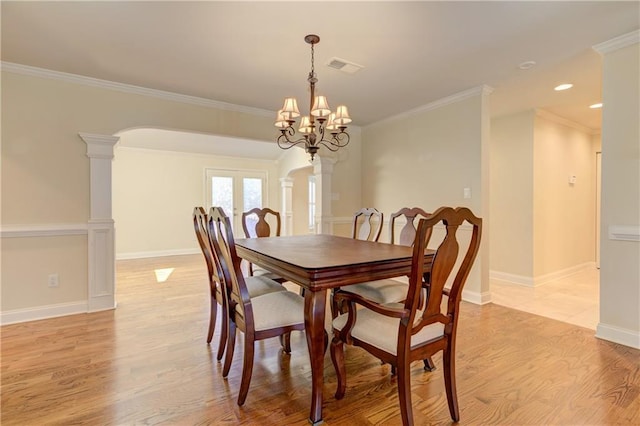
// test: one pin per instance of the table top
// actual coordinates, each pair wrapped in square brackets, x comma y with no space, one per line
[326,261]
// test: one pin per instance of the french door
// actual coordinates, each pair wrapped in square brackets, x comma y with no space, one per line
[236,191]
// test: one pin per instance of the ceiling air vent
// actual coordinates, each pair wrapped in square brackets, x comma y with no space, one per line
[344,66]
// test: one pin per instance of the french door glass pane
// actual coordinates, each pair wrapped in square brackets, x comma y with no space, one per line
[222,194]
[252,193]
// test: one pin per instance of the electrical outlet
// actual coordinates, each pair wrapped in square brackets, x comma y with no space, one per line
[54,280]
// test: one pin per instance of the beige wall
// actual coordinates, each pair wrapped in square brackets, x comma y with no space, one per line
[619,262]
[41,148]
[425,160]
[564,213]
[512,194]
[27,263]
[154,193]
[542,224]
[45,170]
[347,177]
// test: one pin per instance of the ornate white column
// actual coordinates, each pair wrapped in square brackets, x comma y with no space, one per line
[323,170]
[101,255]
[286,197]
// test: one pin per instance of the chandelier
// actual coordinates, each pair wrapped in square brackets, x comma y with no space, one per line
[320,127]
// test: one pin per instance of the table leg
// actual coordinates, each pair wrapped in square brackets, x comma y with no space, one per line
[314,311]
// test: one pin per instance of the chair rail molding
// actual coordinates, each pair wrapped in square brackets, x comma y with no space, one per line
[43,230]
[101,234]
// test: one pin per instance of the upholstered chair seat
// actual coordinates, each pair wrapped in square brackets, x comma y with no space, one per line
[276,310]
[381,291]
[261,284]
[382,332]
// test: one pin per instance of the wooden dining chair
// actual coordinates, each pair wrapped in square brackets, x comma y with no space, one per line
[389,290]
[274,314]
[402,333]
[218,295]
[407,234]
[255,224]
[367,224]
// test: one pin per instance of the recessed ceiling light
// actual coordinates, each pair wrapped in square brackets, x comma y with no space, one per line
[594,106]
[526,65]
[563,86]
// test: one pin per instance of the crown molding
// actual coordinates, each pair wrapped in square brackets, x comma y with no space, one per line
[564,121]
[618,43]
[457,97]
[129,88]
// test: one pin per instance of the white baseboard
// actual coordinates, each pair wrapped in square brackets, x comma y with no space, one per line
[476,298]
[619,335]
[563,273]
[511,278]
[540,279]
[43,312]
[159,253]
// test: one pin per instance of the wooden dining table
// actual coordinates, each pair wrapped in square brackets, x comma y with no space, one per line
[319,263]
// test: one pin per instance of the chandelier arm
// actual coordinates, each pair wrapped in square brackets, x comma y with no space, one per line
[330,146]
[338,140]
[285,143]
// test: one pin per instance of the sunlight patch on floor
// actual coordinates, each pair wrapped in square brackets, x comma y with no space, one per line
[162,275]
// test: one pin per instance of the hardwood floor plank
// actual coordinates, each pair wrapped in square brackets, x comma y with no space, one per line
[147,362]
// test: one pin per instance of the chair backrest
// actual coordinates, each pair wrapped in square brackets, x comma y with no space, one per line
[367,224]
[446,263]
[260,227]
[202,233]
[224,247]
[408,232]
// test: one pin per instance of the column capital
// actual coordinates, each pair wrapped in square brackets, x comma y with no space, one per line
[286,182]
[99,146]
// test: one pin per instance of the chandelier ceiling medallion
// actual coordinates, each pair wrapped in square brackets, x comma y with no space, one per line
[321,126]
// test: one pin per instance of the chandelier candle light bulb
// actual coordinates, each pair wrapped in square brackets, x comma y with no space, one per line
[330,130]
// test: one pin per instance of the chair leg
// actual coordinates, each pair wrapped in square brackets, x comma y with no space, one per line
[428,364]
[285,342]
[404,392]
[448,363]
[212,318]
[231,344]
[247,369]
[337,356]
[335,310]
[224,333]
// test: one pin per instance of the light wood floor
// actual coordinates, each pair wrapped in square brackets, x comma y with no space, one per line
[147,363]
[574,299]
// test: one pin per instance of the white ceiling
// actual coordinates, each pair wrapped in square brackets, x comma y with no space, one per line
[253,53]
